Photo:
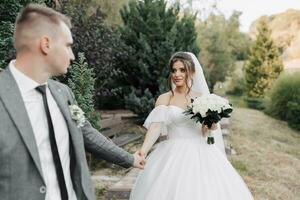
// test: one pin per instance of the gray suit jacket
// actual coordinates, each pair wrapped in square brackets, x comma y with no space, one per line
[21,176]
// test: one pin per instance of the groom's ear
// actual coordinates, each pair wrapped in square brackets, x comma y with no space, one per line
[45,45]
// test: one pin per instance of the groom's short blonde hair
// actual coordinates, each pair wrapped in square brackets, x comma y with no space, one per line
[34,20]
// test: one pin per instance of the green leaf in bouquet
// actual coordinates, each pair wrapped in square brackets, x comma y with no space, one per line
[226,113]
[197,118]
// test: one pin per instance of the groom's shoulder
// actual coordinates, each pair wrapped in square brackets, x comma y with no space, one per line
[4,73]
[164,99]
[1,72]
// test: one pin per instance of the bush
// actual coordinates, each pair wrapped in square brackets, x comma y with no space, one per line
[283,100]
[236,86]
[82,82]
[255,103]
[293,114]
[140,104]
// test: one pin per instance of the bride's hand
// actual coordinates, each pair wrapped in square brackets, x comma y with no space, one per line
[205,128]
[141,153]
[139,160]
[214,127]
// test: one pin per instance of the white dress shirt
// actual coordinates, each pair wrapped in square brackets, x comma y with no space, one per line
[35,108]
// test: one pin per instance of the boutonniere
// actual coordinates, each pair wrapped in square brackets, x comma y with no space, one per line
[77,115]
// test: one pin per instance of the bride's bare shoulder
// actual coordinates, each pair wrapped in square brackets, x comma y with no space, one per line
[164,99]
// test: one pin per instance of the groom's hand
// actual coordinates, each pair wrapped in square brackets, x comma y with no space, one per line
[139,160]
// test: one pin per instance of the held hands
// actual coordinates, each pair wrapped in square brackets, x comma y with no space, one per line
[205,128]
[139,160]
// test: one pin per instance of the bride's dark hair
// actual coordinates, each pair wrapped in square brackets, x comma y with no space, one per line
[189,67]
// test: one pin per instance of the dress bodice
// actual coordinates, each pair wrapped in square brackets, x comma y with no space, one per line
[174,123]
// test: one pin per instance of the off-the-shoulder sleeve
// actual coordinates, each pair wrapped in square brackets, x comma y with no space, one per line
[158,115]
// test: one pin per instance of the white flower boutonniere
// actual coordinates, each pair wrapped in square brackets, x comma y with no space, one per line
[77,115]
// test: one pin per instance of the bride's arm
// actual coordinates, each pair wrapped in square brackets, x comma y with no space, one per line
[154,130]
[151,137]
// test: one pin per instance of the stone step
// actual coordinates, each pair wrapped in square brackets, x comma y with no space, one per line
[105,114]
[121,190]
[109,122]
[108,132]
[126,138]
[230,151]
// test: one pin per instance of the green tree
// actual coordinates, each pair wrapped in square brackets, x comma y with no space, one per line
[221,45]
[153,31]
[103,48]
[81,82]
[238,41]
[111,9]
[265,63]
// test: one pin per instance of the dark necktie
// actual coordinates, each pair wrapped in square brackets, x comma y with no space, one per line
[54,149]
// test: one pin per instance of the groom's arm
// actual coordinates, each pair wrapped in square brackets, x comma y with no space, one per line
[100,146]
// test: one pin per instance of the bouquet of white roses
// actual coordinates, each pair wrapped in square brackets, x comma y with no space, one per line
[209,109]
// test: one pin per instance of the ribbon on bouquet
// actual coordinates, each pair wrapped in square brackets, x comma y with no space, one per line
[210,138]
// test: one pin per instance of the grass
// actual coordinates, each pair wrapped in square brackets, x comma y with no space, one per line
[268,155]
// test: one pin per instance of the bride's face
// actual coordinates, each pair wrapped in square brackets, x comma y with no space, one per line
[179,74]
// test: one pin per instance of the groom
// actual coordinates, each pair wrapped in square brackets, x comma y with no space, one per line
[42,148]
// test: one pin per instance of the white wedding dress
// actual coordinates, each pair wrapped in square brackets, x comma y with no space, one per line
[185,167]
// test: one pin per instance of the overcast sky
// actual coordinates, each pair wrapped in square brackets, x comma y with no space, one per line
[251,9]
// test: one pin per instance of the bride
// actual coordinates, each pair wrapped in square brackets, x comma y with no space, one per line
[185,167]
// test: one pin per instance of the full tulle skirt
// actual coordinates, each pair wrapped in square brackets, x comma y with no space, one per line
[189,169]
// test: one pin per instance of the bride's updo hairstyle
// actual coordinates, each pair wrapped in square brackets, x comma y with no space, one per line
[189,67]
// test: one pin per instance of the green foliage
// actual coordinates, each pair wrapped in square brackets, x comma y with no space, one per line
[81,82]
[102,46]
[111,8]
[153,31]
[283,100]
[238,42]
[9,10]
[255,102]
[237,101]
[293,114]
[235,83]
[264,65]
[140,104]
[237,86]
[221,44]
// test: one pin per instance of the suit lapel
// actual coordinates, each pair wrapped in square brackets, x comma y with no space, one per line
[13,101]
